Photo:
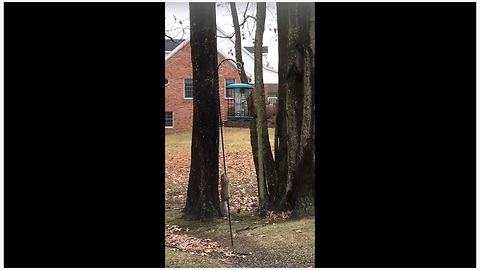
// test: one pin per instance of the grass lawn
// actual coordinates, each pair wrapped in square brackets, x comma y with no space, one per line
[272,242]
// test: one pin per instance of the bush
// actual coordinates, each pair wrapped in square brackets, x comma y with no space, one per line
[271,111]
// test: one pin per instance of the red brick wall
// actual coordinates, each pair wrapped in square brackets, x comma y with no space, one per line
[178,68]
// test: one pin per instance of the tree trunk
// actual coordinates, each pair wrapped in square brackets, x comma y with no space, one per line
[305,199]
[295,118]
[281,136]
[260,106]
[244,79]
[269,172]
[202,195]
[238,43]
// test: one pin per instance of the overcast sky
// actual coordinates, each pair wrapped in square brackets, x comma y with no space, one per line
[177,21]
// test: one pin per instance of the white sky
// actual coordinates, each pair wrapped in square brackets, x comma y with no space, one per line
[179,11]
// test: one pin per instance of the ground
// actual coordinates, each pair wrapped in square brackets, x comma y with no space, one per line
[275,241]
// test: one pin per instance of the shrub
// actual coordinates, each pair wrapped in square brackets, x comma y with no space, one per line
[271,111]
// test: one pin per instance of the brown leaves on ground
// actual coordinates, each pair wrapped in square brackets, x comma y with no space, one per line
[240,171]
[239,163]
[193,245]
[271,216]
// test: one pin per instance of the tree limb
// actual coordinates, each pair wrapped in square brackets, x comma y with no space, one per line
[231,36]
[169,37]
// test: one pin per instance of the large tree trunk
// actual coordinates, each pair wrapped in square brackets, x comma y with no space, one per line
[305,195]
[295,118]
[202,195]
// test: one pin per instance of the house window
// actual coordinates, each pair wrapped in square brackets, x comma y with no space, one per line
[272,100]
[229,92]
[169,119]
[188,89]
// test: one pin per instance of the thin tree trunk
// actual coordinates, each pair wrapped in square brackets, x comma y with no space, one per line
[281,136]
[238,42]
[202,194]
[260,97]
[244,79]
[269,173]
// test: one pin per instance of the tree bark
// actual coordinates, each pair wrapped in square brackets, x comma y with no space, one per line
[244,79]
[295,119]
[202,195]
[281,136]
[305,199]
[269,171]
[260,97]
[238,43]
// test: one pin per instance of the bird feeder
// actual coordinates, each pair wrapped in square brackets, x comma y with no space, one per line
[237,108]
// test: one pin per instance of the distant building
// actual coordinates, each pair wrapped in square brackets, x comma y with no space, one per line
[178,71]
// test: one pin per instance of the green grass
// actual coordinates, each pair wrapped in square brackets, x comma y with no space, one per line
[179,141]
[181,259]
[235,139]
[287,243]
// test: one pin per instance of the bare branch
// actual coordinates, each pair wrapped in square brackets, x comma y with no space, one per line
[274,15]
[246,8]
[231,36]
[167,36]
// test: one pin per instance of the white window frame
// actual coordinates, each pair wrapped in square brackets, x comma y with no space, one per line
[271,98]
[173,120]
[225,84]
[184,97]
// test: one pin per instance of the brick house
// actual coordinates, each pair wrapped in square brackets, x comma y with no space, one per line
[179,91]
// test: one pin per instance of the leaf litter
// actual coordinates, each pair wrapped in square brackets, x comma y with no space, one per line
[194,245]
[243,197]
[240,171]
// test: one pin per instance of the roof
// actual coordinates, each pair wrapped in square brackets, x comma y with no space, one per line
[251,49]
[239,85]
[170,45]
[223,47]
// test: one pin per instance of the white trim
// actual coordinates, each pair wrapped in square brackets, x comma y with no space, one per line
[173,120]
[179,47]
[184,89]
[273,99]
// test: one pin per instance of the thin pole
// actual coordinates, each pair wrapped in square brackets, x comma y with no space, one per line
[230,224]
[220,122]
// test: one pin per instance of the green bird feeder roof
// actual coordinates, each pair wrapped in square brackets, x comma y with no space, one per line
[239,85]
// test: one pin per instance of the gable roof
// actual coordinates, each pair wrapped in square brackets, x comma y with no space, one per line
[170,45]
[226,44]
[251,49]
[246,52]
[176,49]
